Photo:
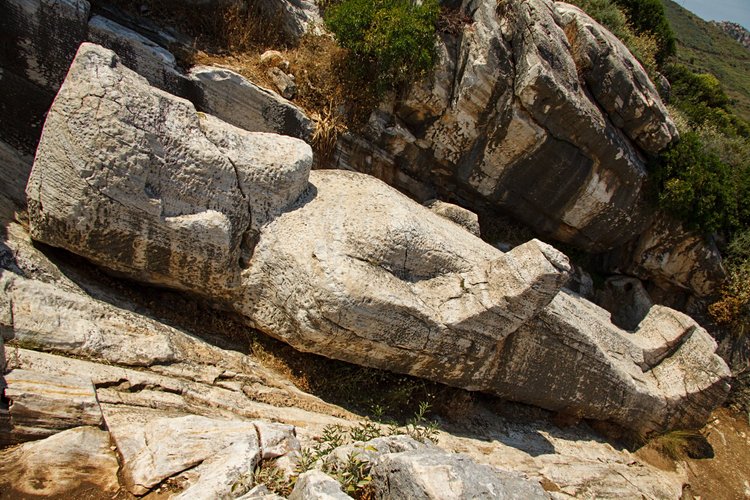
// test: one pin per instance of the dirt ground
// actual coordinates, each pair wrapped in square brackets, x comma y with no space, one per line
[724,477]
[727,476]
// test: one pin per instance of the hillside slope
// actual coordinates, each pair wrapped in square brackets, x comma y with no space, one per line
[705,48]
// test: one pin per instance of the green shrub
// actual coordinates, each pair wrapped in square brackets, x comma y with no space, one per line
[698,187]
[393,40]
[702,99]
[647,16]
[732,310]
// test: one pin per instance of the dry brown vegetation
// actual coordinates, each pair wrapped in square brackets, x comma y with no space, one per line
[335,97]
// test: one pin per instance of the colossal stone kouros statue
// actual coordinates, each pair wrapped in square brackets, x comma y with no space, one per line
[339,264]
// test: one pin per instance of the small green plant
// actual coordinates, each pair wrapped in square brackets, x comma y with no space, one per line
[732,310]
[274,478]
[643,44]
[365,431]
[420,428]
[681,444]
[648,17]
[333,437]
[701,97]
[353,474]
[394,40]
[305,461]
[697,187]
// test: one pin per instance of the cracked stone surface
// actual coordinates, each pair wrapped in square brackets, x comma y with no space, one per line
[69,462]
[176,187]
[41,404]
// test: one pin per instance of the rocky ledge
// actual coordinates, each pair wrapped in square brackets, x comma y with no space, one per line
[340,264]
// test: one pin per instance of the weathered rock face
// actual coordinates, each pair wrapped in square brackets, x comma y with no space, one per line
[351,269]
[626,299]
[227,386]
[43,404]
[16,168]
[217,445]
[182,193]
[295,17]
[421,295]
[507,121]
[455,310]
[234,99]
[138,53]
[429,473]
[617,81]
[72,461]
[40,38]
[671,256]
[652,375]
[464,218]
[316,485]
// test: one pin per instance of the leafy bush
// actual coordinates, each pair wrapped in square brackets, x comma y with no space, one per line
[394,40]
[647,16]
[699,188]
[733,309]
[703,100]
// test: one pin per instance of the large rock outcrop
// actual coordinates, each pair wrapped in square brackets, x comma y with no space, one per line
[671,256]
[338,263]
[69,462]
[534,108]
[40,38]
[135,197]
[54,298]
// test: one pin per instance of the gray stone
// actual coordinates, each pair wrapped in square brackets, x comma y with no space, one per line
[617,81]
[139,187]
[316,485]
[46,317]
[295,17]
[430,473]
[42,404]
[276,440]
[370,451]
[283,82]
[342,265]
[232,98]
[44,35]
[40,38]
[419,296]
[64,465]
[581,283]
[160,448]
[218,475]
[274,58]
[574,339]
[673,257]
[626,299]
[464,218]
[138,53]
[15,168]
[133,392]
[260,492]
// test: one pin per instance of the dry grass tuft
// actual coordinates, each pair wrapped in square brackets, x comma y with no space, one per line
[336,98]
[328,127]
